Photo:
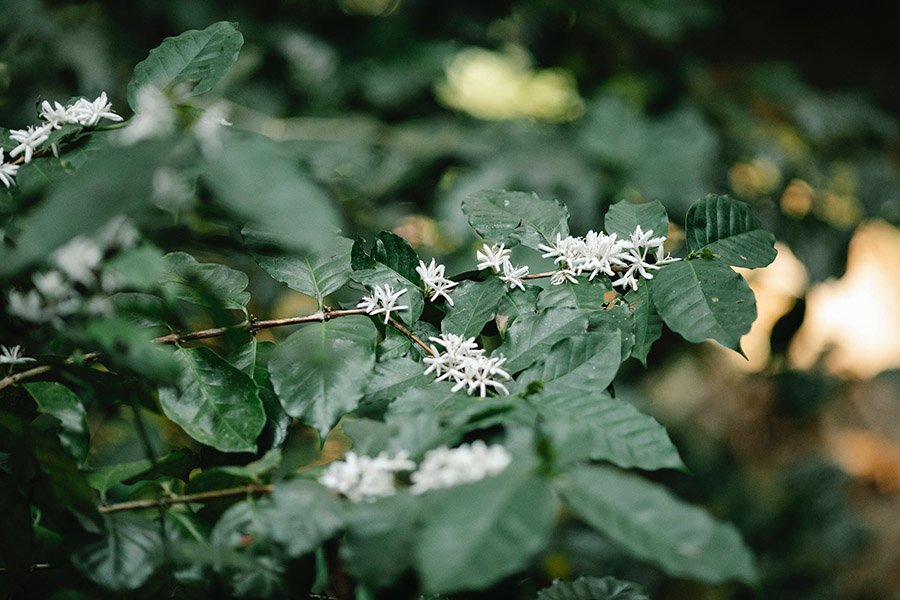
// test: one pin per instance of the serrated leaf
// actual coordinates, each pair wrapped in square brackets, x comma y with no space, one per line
[530,337]
[196,58]
[216,404]
[474,535]
[204,284]
[593,588]
[377,546]
[623,218]
[730,230]
[474,304]
[516,218]
[304,514]
[393,377]
[321,372]
[599,427]
[258,182]
[60,402]
[316,274]
[127,554]
[704,299]
[654,525]
[647,322]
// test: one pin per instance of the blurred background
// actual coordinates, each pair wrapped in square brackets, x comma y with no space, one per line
[401,108]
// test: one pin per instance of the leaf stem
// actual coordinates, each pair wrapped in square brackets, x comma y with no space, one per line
[408,333]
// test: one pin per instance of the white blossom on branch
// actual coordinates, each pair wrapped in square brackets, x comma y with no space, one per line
[468,463]
[383,299]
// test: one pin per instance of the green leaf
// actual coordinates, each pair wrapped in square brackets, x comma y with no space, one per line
[105,477]
[369,270]
[593,588]
[647,322]
[474,304]
[205,284]
[730,230]
[652,524]
[321,372]
[131,346]
[196,58]
[59,401]
[217,404]
[126,556]
[587,295]
[241,549]
[377,547]
[254,179]
[316,274]
[397,255]
[597,426]
[624,217]
[304,514]
[474,535]
[516,218]
[581,364]
[530,337]
[704,299]
[395,376]
[139,268]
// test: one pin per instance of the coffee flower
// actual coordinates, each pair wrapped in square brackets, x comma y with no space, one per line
[449,467]
[464,363]
[13,356]
[7,171]
[492,257]
[29,140]
[434,281]
[382,300]
[364,477]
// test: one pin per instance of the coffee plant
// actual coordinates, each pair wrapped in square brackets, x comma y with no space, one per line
[464,416]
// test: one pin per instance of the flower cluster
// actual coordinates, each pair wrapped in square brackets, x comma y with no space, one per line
[598,253]
[434,281]
[13,356]
[496,258]
[364,477]
[446,467]
[382,300]
[83,112]
[79,281]
[463,362]
[367,478]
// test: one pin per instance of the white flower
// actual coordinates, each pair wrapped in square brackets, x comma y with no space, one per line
[383,300]
[171,190]
[445,467]
[153,117]
[55,115]
[512,276]
[78,259]
[119,232]
[208,128]
[465,363]
[640,246]
[434,281]
[29,140]
[13,356]
[492,257]
[27,306]
[363,477]
[89,113]
[52,285]
[7,171]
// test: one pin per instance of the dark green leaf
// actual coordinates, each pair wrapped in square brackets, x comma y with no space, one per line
[516,218]
[59,401]
[730,230]
[315,274]
[304,514]
[396,254]
[474,304]
[126,556]
[377,547]
[593,588]
[587,295]
[321,372]
[241,549]
[129,345]
[530,337]
[654,525]
[581,364]
[393,377]
[371,270]
[647,322]
[624,217]
[104,478]
[139,268]
[704,299]
[217,404]
[196,58]
[206,284]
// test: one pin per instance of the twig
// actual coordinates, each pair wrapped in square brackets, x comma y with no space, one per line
[539,275]
[408,333]
[34,372]
[186,499]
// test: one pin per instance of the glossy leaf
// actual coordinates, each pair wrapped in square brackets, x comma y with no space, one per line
[654,525]
[198,59]
[581,364]
[623,217]
[316,274]
[60,402]
[516,218]
[704,299]
[126,555]
[369,270]
[474,304]
[730,230]
[321,372]
[530,337]
[216,404]
[393,377]
[205,284]
[593,588]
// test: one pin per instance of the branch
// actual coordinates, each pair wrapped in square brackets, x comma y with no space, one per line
[243,490]
[406,331]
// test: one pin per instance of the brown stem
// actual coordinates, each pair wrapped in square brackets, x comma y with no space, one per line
[34,372]
[186,499]
[539,275]
[406,331]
